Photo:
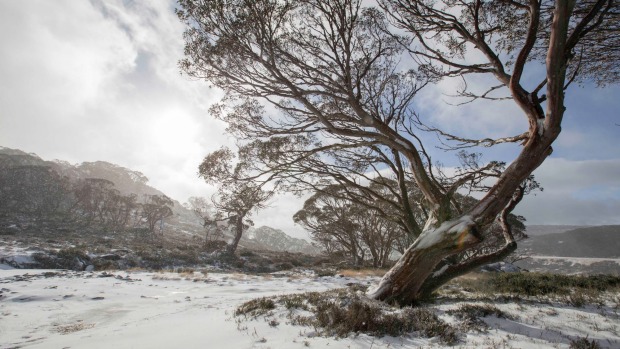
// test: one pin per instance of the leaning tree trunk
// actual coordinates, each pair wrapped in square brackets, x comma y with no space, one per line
[403,284]
[445,272]
[238,233]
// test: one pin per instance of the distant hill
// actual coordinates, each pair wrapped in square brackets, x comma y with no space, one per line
[536,230]
[587,242]
[277,240]
[124,179]
[15,157]
[127,182]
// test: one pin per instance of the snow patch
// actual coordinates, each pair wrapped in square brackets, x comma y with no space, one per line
[431,237]
[403,143]
[6,267]
[541,126]
[500,267]
[16,257]
[440,271]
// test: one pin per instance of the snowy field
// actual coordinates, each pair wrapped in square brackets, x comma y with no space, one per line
[66,309]
[578,260]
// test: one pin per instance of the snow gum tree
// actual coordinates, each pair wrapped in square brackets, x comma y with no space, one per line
[239,194]
[342,226]
[324,91]
[155,209]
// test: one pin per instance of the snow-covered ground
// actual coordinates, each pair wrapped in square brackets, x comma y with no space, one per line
[65,309]
[578,260]
[571,265]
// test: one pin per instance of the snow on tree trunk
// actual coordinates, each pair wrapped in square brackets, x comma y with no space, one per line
[403,283]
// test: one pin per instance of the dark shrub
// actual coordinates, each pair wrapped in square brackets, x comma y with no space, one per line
[584,343]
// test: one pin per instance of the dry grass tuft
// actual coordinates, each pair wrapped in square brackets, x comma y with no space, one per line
[341,312]
[584,343]
[362,272]
[239,277]
[166,277]
[70,328]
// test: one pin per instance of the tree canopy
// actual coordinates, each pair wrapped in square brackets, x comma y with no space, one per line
[239,193]
[322,92]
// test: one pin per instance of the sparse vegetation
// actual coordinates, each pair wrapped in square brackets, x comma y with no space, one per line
[535,284]
[77,249]
[538,284]
[361,272]
[70,328]
[255,307]
[574,290]
[471,314]
[584,343]
[325,272]
[345,311]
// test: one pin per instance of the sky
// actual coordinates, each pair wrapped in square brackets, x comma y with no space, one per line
[98,80]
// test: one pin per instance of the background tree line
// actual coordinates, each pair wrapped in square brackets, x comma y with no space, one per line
[36,191]
[368,232]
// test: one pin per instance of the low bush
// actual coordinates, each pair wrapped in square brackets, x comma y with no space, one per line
[540,284]
[247,253]
[255,307]
[584,343]
[324,272]
[284,266]
[471,315]
[362,272]
[342,312]
[69,258]
[72,253]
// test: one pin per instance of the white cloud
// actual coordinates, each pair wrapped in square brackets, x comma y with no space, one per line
[58,63]
[575,192]
[86,81]
[478,119]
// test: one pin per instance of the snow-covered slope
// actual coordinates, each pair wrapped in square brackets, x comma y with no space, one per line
[588,242]
[62,309]
[584,250]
